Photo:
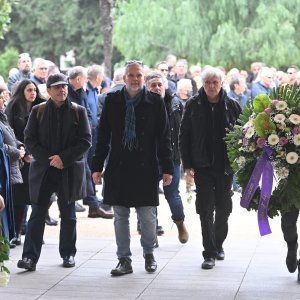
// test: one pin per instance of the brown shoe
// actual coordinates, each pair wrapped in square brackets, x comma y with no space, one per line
[100,213]
[183,235]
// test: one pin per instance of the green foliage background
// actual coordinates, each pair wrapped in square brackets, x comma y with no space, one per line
[231,33]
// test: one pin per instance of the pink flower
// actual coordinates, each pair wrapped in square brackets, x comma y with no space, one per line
[268,110]
[283,141]
[245,142]
[296,130]
[260,142]
[274,102]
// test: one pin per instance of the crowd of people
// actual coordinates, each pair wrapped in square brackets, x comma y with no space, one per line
[63,134]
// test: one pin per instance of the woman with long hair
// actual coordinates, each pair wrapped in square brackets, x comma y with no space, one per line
[24,97]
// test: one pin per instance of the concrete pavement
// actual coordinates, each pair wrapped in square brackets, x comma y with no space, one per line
[254,267]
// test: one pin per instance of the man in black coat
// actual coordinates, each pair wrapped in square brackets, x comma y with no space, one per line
[155,84]
[134,130]
[58,136]
[77,94]
[204,154]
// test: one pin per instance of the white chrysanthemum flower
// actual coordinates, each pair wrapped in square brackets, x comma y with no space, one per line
[241,161]
[295,119]
[4,279]
[250,132]
[296,139]
[281,105]
[292,157]
[248,124]
[273,139]
[279,118]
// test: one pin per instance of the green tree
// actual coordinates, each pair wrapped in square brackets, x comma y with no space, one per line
[218,32]
[5,9]
[51,28]
[7,61]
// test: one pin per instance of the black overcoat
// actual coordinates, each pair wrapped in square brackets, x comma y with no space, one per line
[76,140]
[131,177]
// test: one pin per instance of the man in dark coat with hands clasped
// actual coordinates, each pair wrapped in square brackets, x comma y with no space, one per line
[57,135]
[134,130]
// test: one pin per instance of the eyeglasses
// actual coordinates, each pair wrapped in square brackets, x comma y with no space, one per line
[134,62]
[164,70]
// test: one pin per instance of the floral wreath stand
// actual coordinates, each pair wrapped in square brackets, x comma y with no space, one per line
[263,147]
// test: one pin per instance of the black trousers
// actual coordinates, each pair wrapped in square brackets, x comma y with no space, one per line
[289,227]
[214,205]
[52,183]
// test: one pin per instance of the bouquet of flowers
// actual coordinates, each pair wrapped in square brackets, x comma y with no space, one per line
[265,145]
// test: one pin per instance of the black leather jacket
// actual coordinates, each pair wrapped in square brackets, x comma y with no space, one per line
[174,110]
[194,130]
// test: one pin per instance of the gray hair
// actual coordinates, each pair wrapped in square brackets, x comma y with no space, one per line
[212,72]
[133,63]
[77,71]
[152,75]
[118,74]
[38,61]
[95,70]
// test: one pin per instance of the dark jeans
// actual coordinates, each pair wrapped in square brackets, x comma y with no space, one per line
[35,229]
[289,227]
[214,205]
[91,199]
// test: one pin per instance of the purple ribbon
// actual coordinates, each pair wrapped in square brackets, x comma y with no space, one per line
[264,169]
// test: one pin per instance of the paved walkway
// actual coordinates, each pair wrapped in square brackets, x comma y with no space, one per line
[254,267]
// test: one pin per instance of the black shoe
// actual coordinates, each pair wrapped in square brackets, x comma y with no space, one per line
[159,230]
[79,207]
[123,267]
[220,255]
[68,261]
[49,221]
[27,264]
[291,259]
[16,240]
[208,263]
[150,263]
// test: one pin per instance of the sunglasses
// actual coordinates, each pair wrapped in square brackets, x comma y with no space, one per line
[164,70]
[134,62]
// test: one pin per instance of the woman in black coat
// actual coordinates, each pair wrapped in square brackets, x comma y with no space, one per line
[25,96]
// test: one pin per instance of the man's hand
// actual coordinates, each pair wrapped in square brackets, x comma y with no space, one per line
[28,158]
[2,204]
[97,177]
[56,162]
[167,179]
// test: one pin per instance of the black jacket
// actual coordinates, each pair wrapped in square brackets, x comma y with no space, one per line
[132,177]
[194,132]
[174,110]
[41,141]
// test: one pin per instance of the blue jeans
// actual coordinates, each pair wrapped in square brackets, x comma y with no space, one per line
[173,197]
[147,216]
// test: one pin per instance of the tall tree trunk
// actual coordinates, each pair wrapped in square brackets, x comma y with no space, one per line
[107,30]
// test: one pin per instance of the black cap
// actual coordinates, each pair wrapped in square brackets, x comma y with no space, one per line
[57,79]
